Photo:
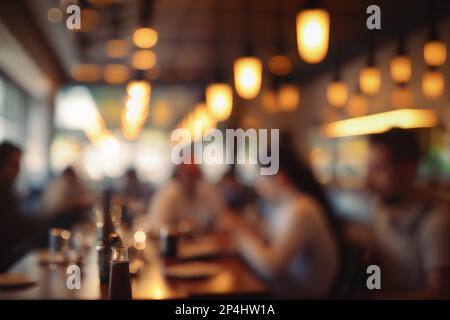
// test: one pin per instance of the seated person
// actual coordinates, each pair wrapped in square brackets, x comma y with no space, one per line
[187,202]
[19,232]
[15,228]
[298,252]
[67,194]
[134,188]
[411,226]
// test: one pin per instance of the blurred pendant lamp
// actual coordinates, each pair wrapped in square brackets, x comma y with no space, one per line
[288,93]
[402,97]
[288,97]
[370,76]
[358,105]
[313,32]
[248,69]
[434,50]
[433,83]
[85,72]
[219,95]
[144,36]
[401,68]
[400,65]
[116,47]
[337,90]
[269,100]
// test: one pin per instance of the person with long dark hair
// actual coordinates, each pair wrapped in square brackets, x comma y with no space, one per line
[298,252]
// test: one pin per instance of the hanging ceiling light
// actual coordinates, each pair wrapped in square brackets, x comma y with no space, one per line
[357,105]
[370,76]
[370,80]
[269,101]
[435,53]
[400,65]
[145,37]
[337,93]
[116,48]
[313,32]
[433,84]
[86,72]
[402,97]
[116,73]
[144,59]
[248,76]
[288,97]
[337,90]
[288,92]
[248,69]
[219,95]
[219,99]
[401,68]
[434,50]
[280,65]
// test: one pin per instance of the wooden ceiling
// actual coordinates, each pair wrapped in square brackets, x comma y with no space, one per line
[191,31]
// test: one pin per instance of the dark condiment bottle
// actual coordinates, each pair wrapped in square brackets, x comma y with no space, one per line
[119,279]
[108,238]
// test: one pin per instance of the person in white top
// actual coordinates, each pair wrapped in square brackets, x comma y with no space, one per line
[67,193]
[298,251]
[187,202]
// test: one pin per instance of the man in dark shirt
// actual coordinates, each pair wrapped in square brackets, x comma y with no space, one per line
[15,228]
[411,224]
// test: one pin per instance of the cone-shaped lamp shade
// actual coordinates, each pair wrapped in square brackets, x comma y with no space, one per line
[219,99]
[337,93]
[248,76]
[313,33]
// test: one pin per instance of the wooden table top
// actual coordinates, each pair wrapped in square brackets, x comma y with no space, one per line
[234,280]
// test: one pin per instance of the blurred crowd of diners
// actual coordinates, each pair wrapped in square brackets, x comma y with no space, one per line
[284,227]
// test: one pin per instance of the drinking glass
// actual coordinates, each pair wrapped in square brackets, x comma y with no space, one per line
[58,245]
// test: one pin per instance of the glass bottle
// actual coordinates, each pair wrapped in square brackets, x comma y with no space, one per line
[119,275]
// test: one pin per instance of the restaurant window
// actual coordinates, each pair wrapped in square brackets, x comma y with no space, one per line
[12,113]
[2,109]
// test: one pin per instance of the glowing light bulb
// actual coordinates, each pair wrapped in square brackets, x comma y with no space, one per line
[219,99]
[145,38]
[337,93]
[370,80]
[248,76]
[313,32]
